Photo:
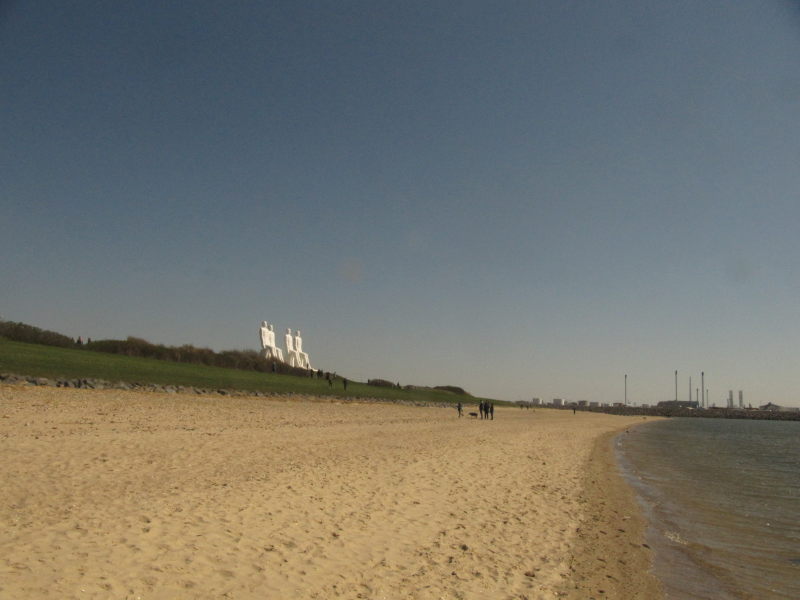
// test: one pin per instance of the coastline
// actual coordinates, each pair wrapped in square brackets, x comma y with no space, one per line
[121,493]
[611,558]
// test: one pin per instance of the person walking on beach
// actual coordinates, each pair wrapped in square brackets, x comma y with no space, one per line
[491,409]
[460,410]
[480,408]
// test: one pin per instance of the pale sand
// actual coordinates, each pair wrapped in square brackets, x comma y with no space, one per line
[113,494]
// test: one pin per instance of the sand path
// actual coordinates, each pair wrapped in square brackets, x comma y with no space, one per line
[113,494]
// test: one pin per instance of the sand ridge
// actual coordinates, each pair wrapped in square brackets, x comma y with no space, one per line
[115,494]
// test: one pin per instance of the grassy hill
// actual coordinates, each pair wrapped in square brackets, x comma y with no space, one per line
[71,363]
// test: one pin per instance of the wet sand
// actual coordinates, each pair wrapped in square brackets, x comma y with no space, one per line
[116,494]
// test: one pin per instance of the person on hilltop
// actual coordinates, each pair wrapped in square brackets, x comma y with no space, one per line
[344,382]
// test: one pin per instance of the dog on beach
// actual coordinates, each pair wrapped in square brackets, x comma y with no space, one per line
[473,415]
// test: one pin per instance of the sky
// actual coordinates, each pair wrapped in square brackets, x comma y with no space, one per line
[524,199]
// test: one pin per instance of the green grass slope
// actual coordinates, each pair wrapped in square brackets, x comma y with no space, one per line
[52,362]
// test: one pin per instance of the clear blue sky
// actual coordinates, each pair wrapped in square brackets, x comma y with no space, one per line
[520,198]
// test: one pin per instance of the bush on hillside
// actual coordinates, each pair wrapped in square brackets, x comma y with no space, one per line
[381,383]
[20,332]
[452,388]
[244,360]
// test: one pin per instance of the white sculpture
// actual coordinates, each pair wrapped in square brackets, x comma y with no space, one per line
[264,335]
[302,357]
[268,342]
[291,353]
[277,352]
[295,357]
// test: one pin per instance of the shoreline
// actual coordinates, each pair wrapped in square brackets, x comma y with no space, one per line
[612,558]
[121,493]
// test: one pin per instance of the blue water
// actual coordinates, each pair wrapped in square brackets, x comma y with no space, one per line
[723,500]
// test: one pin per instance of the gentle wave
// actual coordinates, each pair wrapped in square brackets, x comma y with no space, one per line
[723,500]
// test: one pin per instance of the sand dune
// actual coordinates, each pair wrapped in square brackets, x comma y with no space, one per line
[113,494]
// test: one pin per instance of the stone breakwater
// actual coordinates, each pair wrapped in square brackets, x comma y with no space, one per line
[705,413]
[102,384]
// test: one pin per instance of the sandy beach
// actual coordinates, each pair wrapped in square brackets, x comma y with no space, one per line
[116,494]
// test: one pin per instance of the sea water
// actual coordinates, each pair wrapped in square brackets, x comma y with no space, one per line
[723,500]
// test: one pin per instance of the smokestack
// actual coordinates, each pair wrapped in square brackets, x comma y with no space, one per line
[703,388]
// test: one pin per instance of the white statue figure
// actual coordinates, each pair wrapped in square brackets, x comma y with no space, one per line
[291,353]
[276,352]
[302,357]
[268,342]
[264,335]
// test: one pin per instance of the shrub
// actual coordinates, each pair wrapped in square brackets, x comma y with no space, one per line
[452,388]
[245,360]
[20,332]
[381,383]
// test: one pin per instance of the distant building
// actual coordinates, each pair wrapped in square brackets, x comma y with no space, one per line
[645,406]
[583,403]
[678,404]
[594,404]
[558,402]
[776,408]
